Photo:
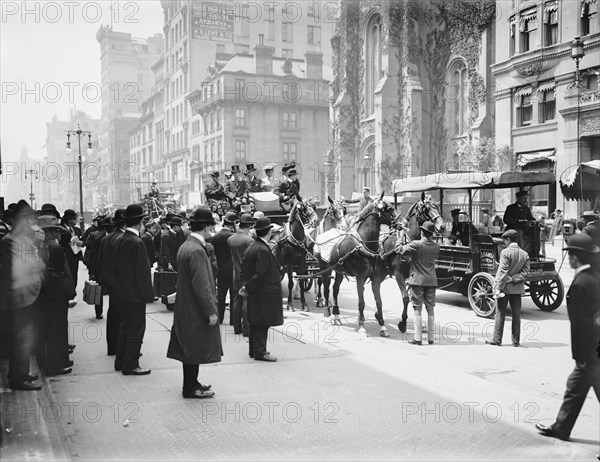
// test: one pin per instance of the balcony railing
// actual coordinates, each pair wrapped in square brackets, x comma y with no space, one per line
[592,96]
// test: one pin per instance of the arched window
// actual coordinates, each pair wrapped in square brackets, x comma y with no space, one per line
[374,70]
[458,97]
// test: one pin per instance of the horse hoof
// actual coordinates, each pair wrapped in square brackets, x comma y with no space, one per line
[384,333]
[306,308]
[327,312]
[337,322]
[402,326]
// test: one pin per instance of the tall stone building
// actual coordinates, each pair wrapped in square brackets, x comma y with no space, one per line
[412,89]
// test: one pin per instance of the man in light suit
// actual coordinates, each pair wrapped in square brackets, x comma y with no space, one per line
[510,281]
[583,306]
[422,279]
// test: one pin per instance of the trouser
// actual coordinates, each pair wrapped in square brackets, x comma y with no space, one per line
[190,377]
[100,307]
[57,334]
[225,284]
[239,313]
[584,376]
[258,341]
[502,311]
[23,330]
[113,324]
[131,335]
[420,295]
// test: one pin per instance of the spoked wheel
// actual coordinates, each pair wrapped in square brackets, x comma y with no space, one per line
[547,294]
[481,295]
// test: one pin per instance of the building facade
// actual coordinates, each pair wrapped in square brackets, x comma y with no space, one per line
[549,122]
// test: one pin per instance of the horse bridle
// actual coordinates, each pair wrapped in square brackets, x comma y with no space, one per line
[419,210]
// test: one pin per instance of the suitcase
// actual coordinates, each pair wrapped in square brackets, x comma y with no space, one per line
[164,283]
[92,293]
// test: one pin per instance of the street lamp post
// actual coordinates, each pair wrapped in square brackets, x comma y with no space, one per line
[577,53]
[79,132]
[31,195]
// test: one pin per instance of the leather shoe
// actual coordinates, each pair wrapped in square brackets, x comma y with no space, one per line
[549,431]
[28,385]
[118,368]
[32,378]
[99,316]
[491,342]
[72,346]
[415,342]
[69,363]
[267,358]
[198,394]
[516,344]
[204,387]
[59,371]
[137,371]
[430,342]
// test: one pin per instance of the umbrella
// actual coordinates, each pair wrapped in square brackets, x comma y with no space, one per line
[583,183]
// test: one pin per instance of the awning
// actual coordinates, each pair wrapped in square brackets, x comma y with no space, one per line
[547,86]
[583,183]
[585,4]
[525,91]
[528,158]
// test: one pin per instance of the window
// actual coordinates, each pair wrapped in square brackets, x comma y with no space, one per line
[512,40]
[271,13]
[528,30]
[287,32]
[212,122]
[314,35]
[212,151]
[218,150]
[547,104]
[458,97]
[374,61]
[287,53]
[270,30]
[218,119]
[289,120]
[205,119]
[240,151]
[524,108]
[206,151]
[551,23]
[591,80]
[589,17]
[290,150]
[240,117]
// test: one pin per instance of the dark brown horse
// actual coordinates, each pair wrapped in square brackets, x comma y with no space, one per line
[407,230]
[294,244]
[357,255]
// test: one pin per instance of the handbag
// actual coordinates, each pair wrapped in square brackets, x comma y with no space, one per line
[92,293]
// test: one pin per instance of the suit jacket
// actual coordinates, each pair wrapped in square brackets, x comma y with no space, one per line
[238,243]
[423,254]
[193,340]
[72,258]
[105,265]
[168,249]
[583,306]
[132,270]
[214,192]
[234,188]
[223,253]
[287,189]
[514,213]
[260,273]
[92,249]
[254,184]
[513,269]
[58,281]
[148,241]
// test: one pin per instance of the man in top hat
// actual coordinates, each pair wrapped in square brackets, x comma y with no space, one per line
[583,306]
[169,244]
[238,243]
[509,285]
[134,290]
[20,287]
[154,191]
[214,192]
[269,182]
[71,240]
[261,283]
[361,201]
[224,263]
[288,189]
[92,252]
[254,182]
[518,216]
[422,279]
[237,189]
[105,269]
[195,335]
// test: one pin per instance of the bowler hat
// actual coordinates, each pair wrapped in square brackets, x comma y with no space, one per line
[48,211]
[107,222]
[202,215]
[582,242]
[214,174]
[263,223]
[235,168]
[510,234]
[176,221]
[230,217]
[250,168]
[68,214]
[428,226]
[133,211]
[246,219]
[22,208]
[522,193]
[118,218]
[48,222]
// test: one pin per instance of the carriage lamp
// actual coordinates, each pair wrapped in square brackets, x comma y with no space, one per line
[577,53]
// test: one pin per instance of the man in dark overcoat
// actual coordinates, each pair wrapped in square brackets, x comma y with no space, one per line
[71,239]
[238,243]
[224,263]
[92,248]
[195,336]
[260,273]
[134,289]
[147,239]
[583,306]
[105,267]
[518,216]
[169,244]
[288,190]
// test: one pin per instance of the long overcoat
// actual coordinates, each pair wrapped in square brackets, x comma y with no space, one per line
[260,274]
[193,340]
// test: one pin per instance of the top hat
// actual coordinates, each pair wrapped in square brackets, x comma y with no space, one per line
[230,217]
[235,168]
[246,219]
[510,234]
[582,242]
[202,215]
[176,221]
[262,223]
[214,174]
[428,226]
[250,168]
[68,214]
[22,208]
[48,222]
[522,193]
[118,218]
[133,211]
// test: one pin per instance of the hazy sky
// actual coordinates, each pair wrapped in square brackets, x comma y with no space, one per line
[48,53]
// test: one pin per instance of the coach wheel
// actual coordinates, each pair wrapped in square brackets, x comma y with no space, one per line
[547,294]
[481,295]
